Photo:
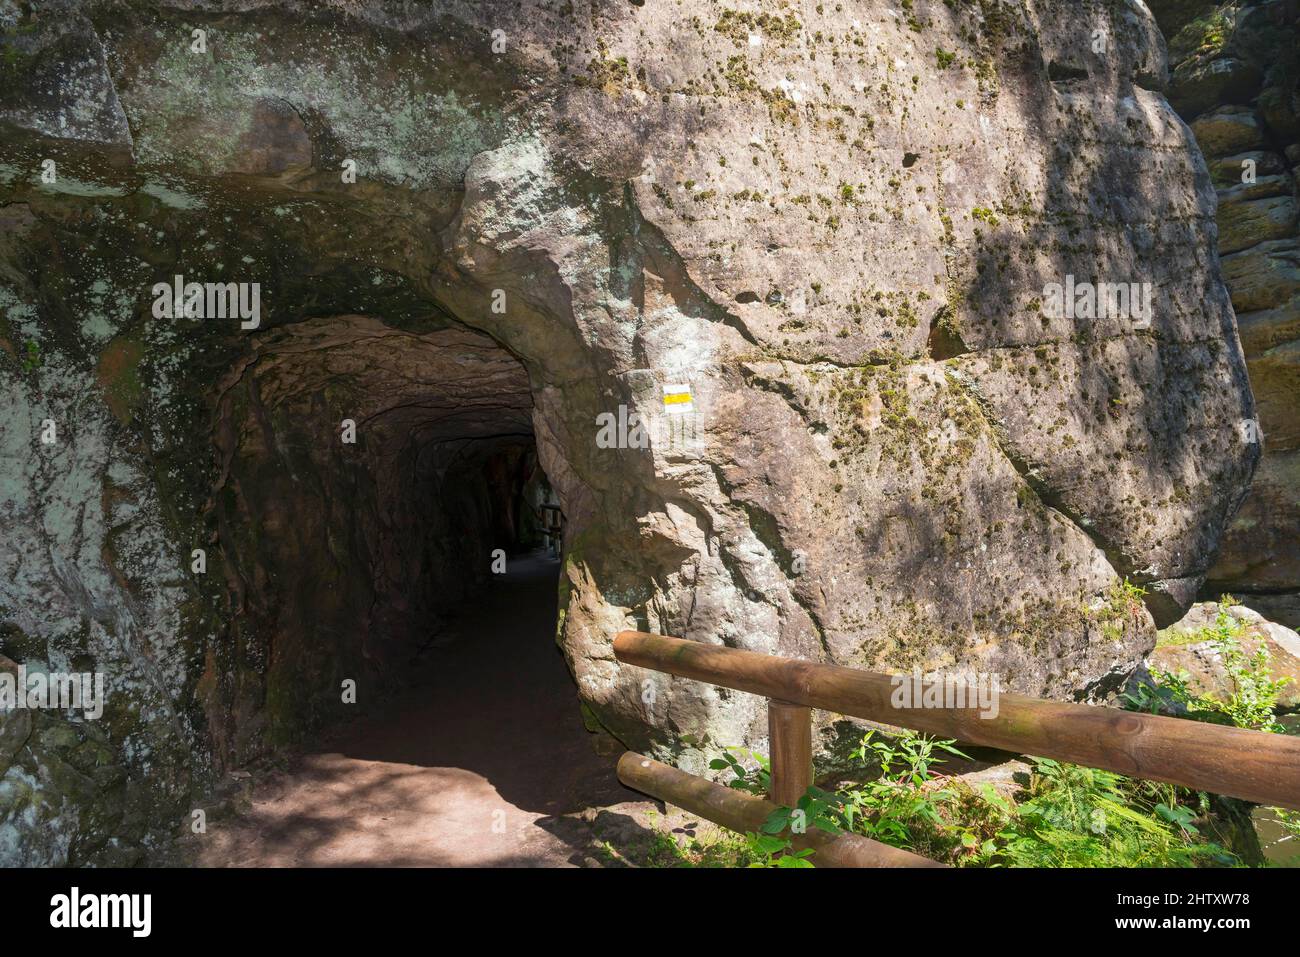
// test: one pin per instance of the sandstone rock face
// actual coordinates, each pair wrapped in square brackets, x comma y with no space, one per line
[1236,79]
[838,225]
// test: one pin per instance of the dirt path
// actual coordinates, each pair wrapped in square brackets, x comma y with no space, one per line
[483,762]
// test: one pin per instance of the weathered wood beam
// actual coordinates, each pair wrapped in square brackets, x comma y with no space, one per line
[1251,765]
[738,811]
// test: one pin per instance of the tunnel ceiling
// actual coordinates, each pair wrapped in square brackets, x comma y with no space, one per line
[437,392]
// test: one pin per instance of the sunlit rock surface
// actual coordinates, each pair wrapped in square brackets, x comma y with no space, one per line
[1236,79]
[836,225]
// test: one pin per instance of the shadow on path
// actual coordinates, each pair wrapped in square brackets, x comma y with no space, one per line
[476,764]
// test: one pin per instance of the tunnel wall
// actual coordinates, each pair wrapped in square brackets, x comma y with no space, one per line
[363,490]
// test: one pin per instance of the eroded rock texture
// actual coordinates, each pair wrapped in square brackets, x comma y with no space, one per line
[834,222]
[1236,79]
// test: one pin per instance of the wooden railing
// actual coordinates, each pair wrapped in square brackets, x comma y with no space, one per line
[1251,765]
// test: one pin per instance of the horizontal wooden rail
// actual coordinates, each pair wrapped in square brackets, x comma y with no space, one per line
[745,812]
[1251,765]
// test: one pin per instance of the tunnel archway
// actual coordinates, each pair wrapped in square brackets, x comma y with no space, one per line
[372,481]
[386,524]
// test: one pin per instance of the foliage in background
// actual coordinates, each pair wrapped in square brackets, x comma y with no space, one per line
[1252,702]
[755,780]
[1066,816]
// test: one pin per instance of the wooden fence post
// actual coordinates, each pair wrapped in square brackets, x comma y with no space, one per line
[1251,765]
[789,728]
[743,812]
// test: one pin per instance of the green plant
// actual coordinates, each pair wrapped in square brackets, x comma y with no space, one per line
[755,780]
[815,809]
[773,850]
[773,843]
[1214,32]
[1085,817]
[893,806]
[1290,820]
[1066,816]
[1290,823]
[1168,696]
[1122,606]
[31,356]
[1251,702]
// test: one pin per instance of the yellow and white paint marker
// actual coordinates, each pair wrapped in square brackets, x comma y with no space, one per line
[677,399]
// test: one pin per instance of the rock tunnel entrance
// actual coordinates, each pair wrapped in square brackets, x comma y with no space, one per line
[836,486]
[387,527]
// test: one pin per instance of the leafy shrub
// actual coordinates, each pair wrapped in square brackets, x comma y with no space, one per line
[1250,704]
[1253,698]
[1067,816]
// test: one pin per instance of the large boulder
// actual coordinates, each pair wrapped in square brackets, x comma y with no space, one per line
[1244,223]
[1227,130]
[1203,82]
[1264,276]
[838,226]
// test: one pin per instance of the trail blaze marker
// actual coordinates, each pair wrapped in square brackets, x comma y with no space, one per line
[677,399]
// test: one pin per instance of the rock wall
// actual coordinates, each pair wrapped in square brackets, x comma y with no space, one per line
[837,225]
[1236,79]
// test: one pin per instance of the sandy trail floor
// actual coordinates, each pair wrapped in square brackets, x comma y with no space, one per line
[483,762]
